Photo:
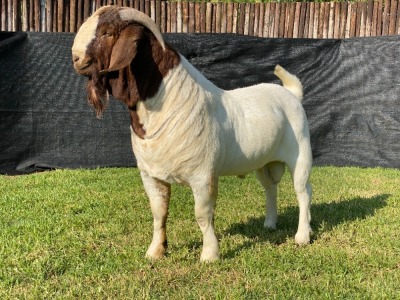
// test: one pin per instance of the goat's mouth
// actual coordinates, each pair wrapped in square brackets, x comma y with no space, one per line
[83,69]
[82,63]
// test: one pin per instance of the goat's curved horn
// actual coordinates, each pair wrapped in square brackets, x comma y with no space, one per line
[127,14]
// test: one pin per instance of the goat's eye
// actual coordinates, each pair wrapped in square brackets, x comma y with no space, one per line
[107,34]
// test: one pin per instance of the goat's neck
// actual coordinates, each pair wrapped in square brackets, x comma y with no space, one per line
[141,80]
[184,94]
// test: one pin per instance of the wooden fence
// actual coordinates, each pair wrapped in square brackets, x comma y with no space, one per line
[297,20]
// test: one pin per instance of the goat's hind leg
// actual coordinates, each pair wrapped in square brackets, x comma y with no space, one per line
[300,174]
[159,194]
[269,176]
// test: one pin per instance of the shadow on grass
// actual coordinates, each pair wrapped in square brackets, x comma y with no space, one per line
[324,217]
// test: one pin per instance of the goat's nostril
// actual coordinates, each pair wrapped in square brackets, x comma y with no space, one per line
[75,58]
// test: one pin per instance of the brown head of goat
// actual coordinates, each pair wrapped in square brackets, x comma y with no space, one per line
[123,53]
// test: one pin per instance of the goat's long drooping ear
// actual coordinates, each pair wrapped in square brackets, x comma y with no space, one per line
[125,48]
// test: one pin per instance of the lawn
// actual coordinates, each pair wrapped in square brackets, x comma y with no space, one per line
[83,234]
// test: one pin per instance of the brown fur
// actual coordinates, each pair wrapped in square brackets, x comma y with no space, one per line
[137,81]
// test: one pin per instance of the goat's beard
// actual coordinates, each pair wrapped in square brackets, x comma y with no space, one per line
[97,92]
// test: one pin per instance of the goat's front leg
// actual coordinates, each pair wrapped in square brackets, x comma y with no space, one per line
[205,195]
[159,194]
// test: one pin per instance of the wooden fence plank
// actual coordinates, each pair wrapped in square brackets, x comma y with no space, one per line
[86,9]
[325,30]
[378,29]
[223,17]
[342,26]
[241,18]
[256,14]
[229,17]
[331,25]
[217,27]
[15,15]
[79,15]
[397,19]
[197,11]
[385,18]
[246,17]
[336,26]
[296,24]
[392,17]
[2,15]
[152,11]
[191,20]
[147,7]
[185,16]
[268,19]
[350,20]
[368,18]
[173,15]
[250,29]
[359,18]
[163,17]
[72,17]
[158,12]
[178,17]
[235,17]
[281,17]
[209,9]
[66,18]
[261,19]
[37,15]
[9,14]
[60,15]
[310,20]
[54,18]
[290,10]
[24,15]
[302,30]
[31,22]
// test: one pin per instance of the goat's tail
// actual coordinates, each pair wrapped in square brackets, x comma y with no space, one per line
[289,81]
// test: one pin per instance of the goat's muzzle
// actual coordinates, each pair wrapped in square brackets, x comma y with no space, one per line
[83,65]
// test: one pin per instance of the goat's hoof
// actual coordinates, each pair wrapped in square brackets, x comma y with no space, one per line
[154,257]
[302,238]
[209,256]
[155,253]
[270,224]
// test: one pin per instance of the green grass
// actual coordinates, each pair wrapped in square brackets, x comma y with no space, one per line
[83,234]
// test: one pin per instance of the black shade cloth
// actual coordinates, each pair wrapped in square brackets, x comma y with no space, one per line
[351,99]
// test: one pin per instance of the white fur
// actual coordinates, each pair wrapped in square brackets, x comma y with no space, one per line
[87,33]
[196,132]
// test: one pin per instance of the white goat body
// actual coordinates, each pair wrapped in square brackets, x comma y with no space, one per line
[197,132]
[187,130]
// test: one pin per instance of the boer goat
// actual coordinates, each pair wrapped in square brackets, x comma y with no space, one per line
[186,130]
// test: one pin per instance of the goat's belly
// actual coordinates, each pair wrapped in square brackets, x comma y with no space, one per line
[241,164]
[243,159]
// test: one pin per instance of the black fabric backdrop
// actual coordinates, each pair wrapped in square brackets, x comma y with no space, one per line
[351,90]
